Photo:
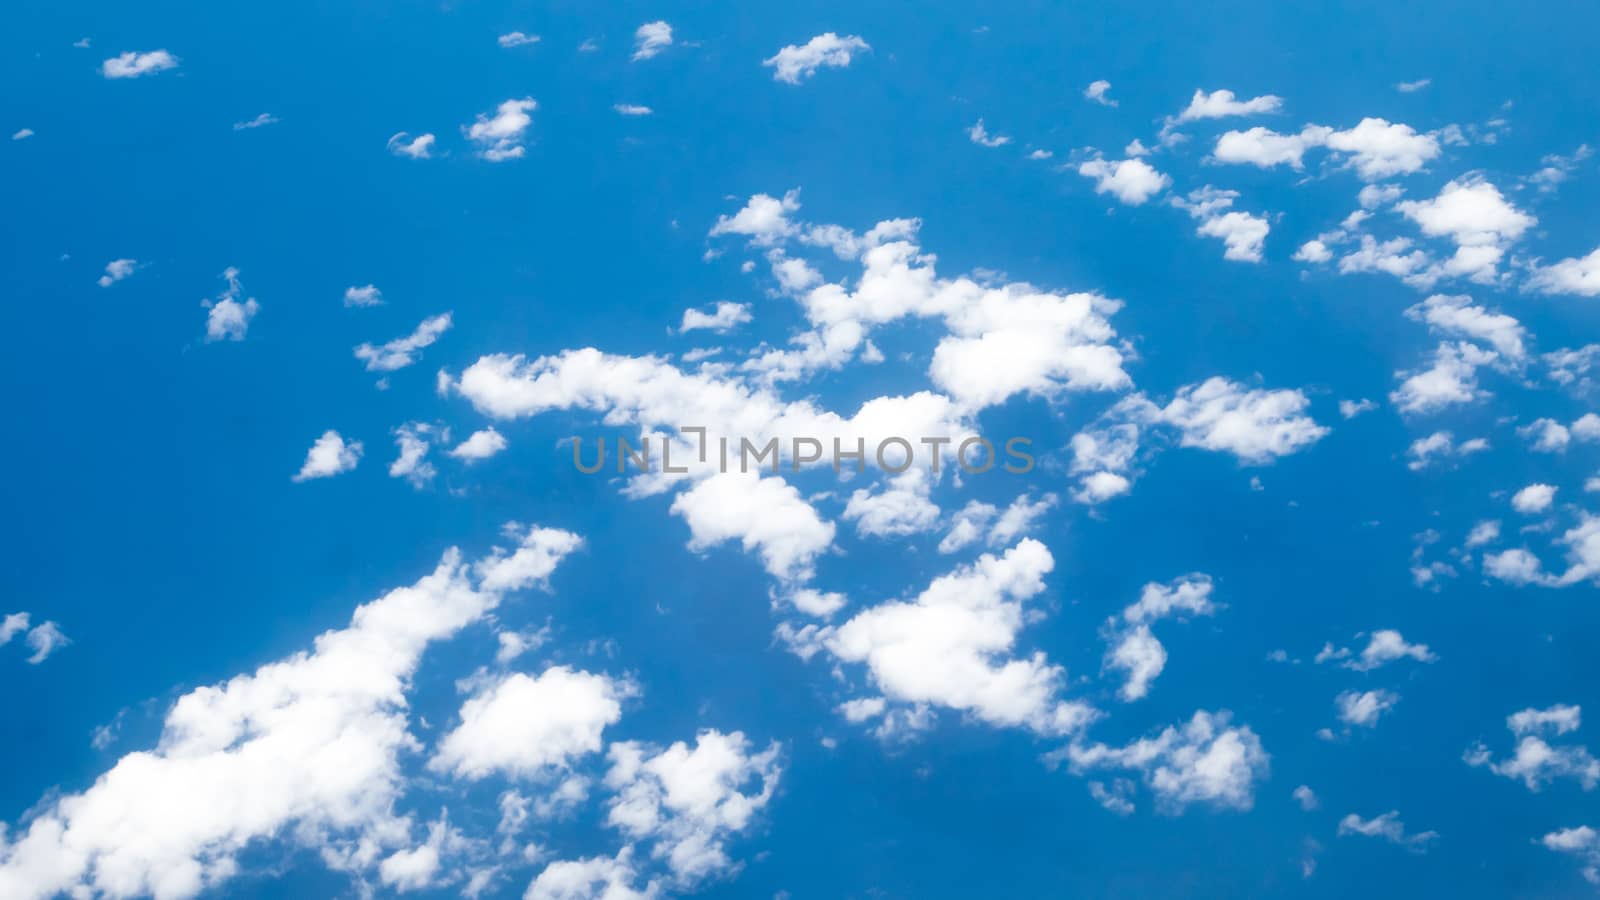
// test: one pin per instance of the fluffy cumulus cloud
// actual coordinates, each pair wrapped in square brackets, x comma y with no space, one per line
[137,65]
[1207,760]
[499,136]
[1535,761]
[307,749]
[1099,92]
[330,455]
[1440,446]
[1580,276]
[793,64]
[1451,380]
[412,440]
[1363,708]
[1222,104]
[1133,181]
[116,270]
[650,39]
[363,295]
[228,317]
[1477,218]
[530,726]
[1456,316]
[1243,234]
[688,801]
[765,515]
[1384,646]
[1375,148]
[481,444]
[722,318]
[1134,648]
[1254,424]
[952,646]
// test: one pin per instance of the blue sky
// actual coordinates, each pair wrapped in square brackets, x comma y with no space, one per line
[306,305]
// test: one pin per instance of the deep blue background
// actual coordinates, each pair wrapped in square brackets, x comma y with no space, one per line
[146,473]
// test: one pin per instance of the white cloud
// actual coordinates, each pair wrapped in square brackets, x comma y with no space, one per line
[793,64]
[1135,649]
[766,515]
[650,39]
[1473,213]
[1141,656]
[1386,646]
[1559,719]
[901,509]
[1352,408]
[632,109]
[12,625]
[689,801]
[1256,425]
[1533,499]
[135,65]
[724,317]
[1097,92]
[499,137]
[1389,827]
[1133,181]
[1485,532]
[307,748]
[1380,149]
[1373,196]
[591,878]
[1423,452]
[1535,762]
[1314,251]
[1451,380]
[402,352]
[764,219]
[1411,87]
[413,442]
[43,639]
[1455,316]
[258,122]
[1582,842]
[1546,435]
[1265,148]
[950,646]
[1362,708]
[22,134]
[482,444]
[531,727]
[1019,519]
[1569,276]
[329,456]
[116,270]
[1377,148]
[419,147]
[1242,234]
[1222,104]
[981,136]
[365,295]
[1206,760]
[517,39]
[1307,798]
[227,318]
